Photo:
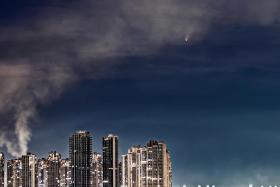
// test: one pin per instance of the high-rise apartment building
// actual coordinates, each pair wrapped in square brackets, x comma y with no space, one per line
[96,170]
[80,151]
[53,167]
[148,166]
[42,172]
[29,170]
[65,173]
[2,169]
[110,161]
[14,174]
[120,173]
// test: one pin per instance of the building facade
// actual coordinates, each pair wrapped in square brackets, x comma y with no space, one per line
[110,161]
[96,170]
[2,169]
[14,174]
[29,170]
[80,151]
[53,168]
[148,166]
[42,172]
[65,173]
[120,173]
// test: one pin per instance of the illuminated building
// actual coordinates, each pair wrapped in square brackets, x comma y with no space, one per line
[42,173]
[2,168]
[110,161]
[29,175]
[96,170]
[53,167]
[65,173]
[148,166]
[80,151]
[14,174]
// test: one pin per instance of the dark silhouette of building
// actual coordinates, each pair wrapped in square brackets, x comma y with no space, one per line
[110,161]
[80,151]
[2,166]
[120,173]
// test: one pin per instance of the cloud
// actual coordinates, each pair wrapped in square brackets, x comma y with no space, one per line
[43,55]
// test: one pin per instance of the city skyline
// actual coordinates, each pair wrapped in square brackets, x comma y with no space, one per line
[65,154]
[83,168]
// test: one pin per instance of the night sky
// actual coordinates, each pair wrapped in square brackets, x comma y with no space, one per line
[124,67]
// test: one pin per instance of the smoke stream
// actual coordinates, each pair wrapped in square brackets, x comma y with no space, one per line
[29,86]
[22,130]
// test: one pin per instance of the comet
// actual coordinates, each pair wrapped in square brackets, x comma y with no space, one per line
[187,39]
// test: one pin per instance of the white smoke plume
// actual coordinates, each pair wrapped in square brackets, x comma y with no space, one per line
[25,87]
[40,57]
